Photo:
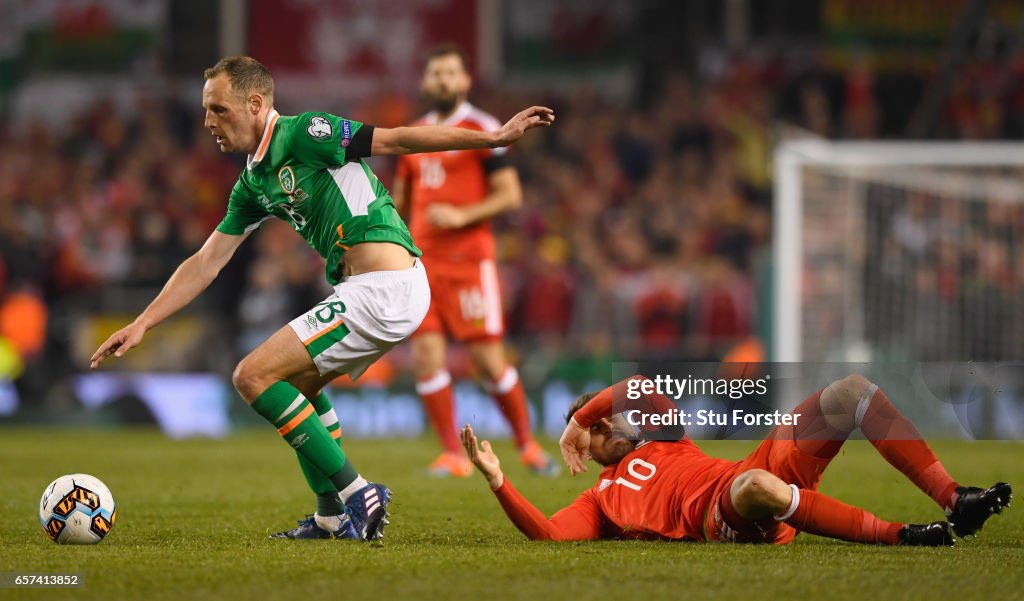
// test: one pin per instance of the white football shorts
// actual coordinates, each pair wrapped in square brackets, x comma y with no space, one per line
[367,315]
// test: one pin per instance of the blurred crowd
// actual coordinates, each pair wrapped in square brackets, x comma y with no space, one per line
[644,229]
[936,291]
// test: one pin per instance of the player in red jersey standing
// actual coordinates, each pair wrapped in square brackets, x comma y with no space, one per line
[668,489]
[450,198]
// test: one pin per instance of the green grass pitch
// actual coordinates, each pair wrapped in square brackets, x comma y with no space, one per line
[193,517]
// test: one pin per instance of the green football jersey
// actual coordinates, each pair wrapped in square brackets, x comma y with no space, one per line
[300,173]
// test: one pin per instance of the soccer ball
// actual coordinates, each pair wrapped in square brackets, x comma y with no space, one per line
[77,509]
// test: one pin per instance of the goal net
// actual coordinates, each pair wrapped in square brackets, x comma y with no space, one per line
[898,251]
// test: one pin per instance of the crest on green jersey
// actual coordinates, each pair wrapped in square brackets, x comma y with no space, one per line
[287,178]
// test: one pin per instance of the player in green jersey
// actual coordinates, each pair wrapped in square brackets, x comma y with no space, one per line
[309,171]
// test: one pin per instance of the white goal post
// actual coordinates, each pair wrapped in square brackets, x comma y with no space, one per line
[844,212]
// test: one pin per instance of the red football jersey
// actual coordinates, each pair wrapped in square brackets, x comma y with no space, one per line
[659,491]
[455,177]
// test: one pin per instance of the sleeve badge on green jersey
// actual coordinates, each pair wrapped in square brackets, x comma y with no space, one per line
[346,132]
[319,127]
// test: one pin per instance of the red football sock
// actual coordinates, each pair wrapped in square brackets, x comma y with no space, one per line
[820,514]
[511,398]
[439,404]
[813,433]
[899,442]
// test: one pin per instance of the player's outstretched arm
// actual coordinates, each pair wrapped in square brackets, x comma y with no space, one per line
[192,277]
[483,458]
[579,521]
[435,138]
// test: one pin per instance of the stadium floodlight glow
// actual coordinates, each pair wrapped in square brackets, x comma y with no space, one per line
[836,202]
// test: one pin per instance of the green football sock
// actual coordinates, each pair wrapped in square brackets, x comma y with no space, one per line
[319,483]
[296,421]
[329,504]
[328,417]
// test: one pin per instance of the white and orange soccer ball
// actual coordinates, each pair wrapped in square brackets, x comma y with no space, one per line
[77,509]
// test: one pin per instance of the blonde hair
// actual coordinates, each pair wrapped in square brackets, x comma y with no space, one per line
[246,74]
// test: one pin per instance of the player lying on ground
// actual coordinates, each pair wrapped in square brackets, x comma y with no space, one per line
[309,170]
[671,490]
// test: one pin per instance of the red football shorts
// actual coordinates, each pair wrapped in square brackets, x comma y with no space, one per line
[779,455]
[465,301]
